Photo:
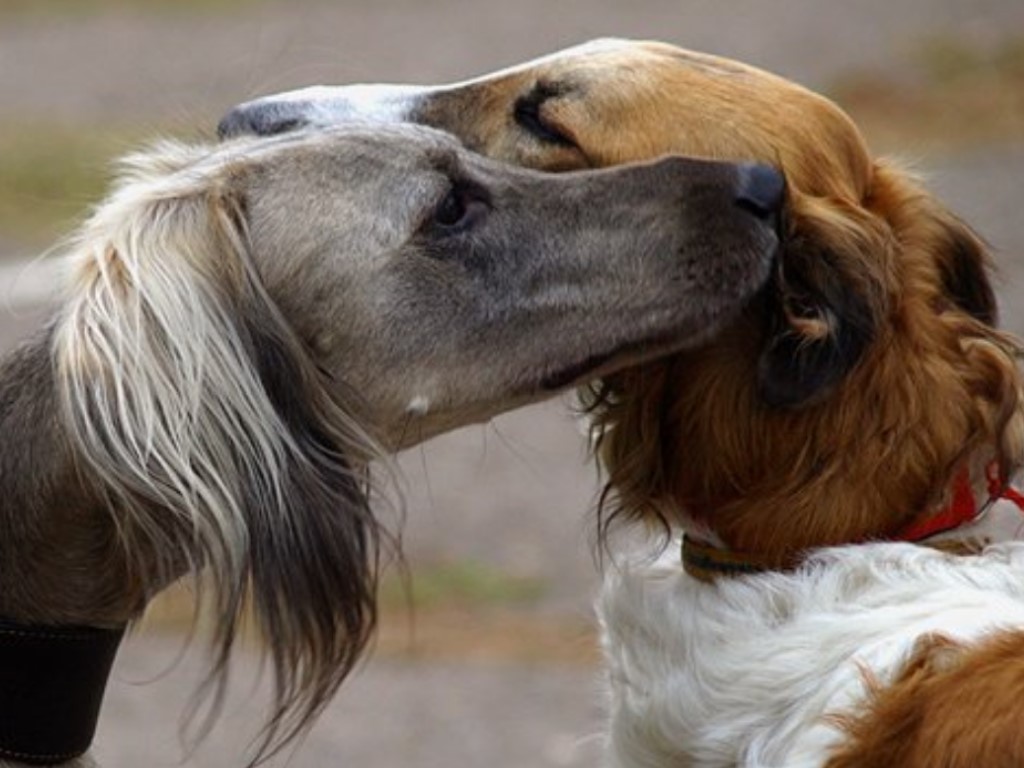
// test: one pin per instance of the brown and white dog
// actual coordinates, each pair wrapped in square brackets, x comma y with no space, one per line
[863,407]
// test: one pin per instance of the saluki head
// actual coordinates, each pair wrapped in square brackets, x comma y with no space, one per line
[842,401]
[247,325]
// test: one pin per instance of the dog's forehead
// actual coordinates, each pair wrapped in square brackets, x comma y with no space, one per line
[601,56]
[595,49]
[594,59]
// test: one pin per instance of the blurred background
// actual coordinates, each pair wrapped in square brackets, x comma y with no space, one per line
[491,658]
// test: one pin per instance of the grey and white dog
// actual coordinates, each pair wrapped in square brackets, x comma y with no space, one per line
[246,326]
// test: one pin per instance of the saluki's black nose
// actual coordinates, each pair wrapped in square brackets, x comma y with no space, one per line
[761,191]
[256,119]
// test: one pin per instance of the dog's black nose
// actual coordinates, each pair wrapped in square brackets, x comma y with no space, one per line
[761,191]
[256,119]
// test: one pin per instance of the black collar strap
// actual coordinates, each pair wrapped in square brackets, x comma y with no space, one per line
[51,686]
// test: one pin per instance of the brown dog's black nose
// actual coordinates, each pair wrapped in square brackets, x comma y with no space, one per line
[761,191]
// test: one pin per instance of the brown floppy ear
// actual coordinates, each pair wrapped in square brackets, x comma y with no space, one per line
[964,268]
[965,265]
[822,316]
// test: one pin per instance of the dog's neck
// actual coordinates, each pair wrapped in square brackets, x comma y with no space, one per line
[979,508]
[60,567]
[60,557]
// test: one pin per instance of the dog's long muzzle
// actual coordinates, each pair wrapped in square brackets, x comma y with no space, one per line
[320,106]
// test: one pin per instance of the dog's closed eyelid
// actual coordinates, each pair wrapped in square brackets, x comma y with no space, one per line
[527,113]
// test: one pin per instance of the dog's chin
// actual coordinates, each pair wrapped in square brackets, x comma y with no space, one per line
[578,373]
[633,353]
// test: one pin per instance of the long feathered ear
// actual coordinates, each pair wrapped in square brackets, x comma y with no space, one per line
[814,340]
[992,357]
[213,436]
[965,264]
[824,305]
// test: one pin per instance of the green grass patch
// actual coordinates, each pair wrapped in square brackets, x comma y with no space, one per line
[465,585]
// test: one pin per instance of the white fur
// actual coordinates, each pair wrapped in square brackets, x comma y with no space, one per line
[371,103]
[747,671]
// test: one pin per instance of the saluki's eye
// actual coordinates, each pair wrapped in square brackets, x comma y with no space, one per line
[461,208]
[527,114]
[451,210]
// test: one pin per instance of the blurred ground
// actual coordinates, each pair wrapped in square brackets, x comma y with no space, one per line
[498,668]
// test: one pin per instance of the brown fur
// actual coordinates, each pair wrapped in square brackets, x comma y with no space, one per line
[693,435]
[638,101]
[952,707]
[935,386]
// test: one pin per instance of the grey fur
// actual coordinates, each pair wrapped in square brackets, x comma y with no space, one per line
[246,326]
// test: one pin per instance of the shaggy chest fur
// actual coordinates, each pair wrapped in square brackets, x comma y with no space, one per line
[753,671]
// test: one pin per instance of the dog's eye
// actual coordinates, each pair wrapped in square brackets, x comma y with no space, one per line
[451,210]
[460,208]
[802,307]
[527,114]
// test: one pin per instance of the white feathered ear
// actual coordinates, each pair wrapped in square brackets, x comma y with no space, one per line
[213,436]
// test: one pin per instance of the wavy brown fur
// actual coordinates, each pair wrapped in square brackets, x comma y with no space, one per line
[936,384]
[952,706]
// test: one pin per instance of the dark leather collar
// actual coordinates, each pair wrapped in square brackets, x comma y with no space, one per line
[51,686]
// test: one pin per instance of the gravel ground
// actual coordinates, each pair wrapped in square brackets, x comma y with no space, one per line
[513,494]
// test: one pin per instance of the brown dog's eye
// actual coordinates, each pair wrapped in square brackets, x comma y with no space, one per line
[801,307]
[527,114]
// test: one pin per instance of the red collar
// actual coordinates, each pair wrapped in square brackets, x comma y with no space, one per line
[963,508]
[938,528]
